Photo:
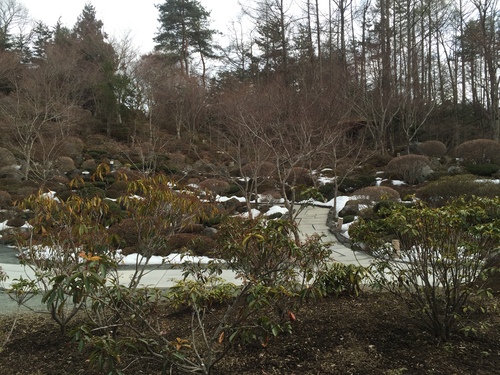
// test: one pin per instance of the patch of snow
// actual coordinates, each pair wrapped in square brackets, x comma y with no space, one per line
[222,199]
[172,259]
[255,213]
[398,182]
[276,209]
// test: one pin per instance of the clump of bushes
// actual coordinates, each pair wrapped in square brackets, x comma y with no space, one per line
[300,176]
[215,186]
[5,199]
[72,147]
[378,193]
[89,190]
[348,185]
[195,243]
[412,169]
[65,164]
[435,149]
[327,190]
[431,257]
[440,192]
[483,169]
[263,170]
[7,158]
[478,151]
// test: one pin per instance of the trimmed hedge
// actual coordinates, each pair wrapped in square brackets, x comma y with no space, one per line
[412,169]
[440,192]
[478,151]
[435,149]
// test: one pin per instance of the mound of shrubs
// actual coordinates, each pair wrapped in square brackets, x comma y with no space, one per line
[378,193]
[440,192]
[215,186]
[436,149]
[412,169]
[348,185]
[478,151]
[483,169]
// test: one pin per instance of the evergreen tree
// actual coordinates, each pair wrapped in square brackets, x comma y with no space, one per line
[99,63]
[184,31]
[42,36]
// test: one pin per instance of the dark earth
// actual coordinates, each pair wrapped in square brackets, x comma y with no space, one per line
[369,334]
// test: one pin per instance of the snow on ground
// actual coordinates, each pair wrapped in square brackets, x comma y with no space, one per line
[172,259]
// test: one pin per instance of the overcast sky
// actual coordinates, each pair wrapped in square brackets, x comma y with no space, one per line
[120,16]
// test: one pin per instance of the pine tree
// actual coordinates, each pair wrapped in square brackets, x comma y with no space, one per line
[184,31]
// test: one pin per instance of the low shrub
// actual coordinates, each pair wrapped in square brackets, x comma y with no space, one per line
[303,193]
[5,199]
[113,194]
[348,219]
[91,191]
[483,169]
[412,169]
[215,186]
[348,185]
[119,185]
[440,192]
[300,176]
[126,232]
[72,147]
[7,158]
[383,207]
[194,243]
[12,185]
[435,149]
[378,161]
[327,190]
[190,293]
[433,258]
[233,189]
[478,151]
[343,279]
[378,193]
[263,170]
[16,222]
[65,164]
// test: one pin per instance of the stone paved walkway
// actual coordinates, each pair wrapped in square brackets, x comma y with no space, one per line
[313,219]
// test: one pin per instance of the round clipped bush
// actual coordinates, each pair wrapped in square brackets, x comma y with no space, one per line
[440,192]
[483,169]
[5,199]
[127,233]
[300,176]
[65,164]
[435,149]
[91,191]
[72,147]
[378,193]
[348,185]
[215,186]
[412,169]
[195,243]
[478,151]
[7,158]
[264,170]
[113,194]
[89,164]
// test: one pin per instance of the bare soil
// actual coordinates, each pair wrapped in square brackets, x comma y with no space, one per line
[369,334]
